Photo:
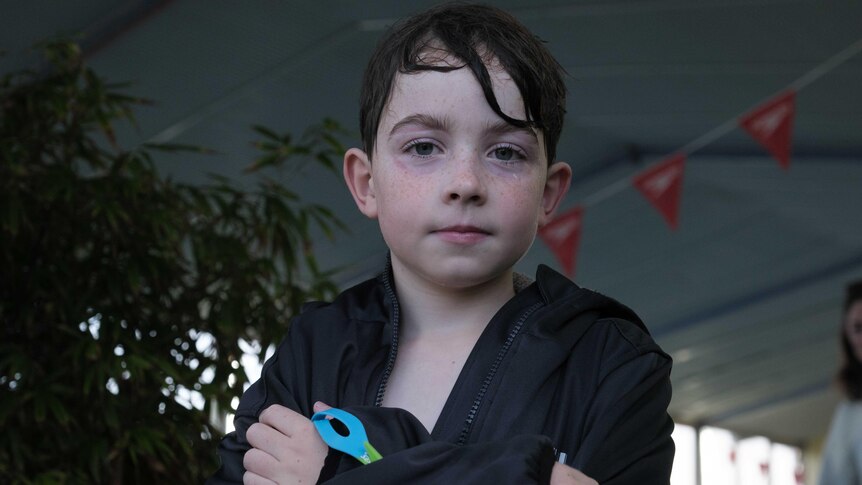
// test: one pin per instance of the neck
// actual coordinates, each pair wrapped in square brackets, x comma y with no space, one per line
[432,311]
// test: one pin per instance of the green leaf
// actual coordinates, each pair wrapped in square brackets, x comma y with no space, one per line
[264,161]
[179,147]
[109,413]
[57,409]
[268,133]
[39,410]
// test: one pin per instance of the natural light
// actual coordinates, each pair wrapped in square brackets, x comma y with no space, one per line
[684,461]
[253,368]
[726,459]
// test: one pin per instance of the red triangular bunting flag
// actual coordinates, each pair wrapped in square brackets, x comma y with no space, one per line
[562,235]
[662,185]
[772,126]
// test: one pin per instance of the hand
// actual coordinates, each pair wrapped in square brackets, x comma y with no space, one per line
[286,448]
[563,474]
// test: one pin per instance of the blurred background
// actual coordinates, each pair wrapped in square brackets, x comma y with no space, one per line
[745,293]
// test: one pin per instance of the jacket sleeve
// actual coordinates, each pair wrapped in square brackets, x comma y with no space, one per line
[280,382]
[411,456]
[409,453]
[627,439]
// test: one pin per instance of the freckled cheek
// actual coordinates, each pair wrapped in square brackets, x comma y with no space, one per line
[520,215]
[400,196]
[520,197]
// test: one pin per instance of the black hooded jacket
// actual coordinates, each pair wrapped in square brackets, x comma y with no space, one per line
[560,373]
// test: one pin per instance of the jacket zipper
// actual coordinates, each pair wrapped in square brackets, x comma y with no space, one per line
[393,349]
[477,403]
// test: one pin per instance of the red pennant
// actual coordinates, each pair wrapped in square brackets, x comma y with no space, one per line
[662,185]
[799,474]
[772,126]
[562,235]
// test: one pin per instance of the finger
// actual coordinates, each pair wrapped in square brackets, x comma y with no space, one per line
[265,438]
[579,477]
[260,463]
[319,406]
[285,420]
[250,478]
[563,474]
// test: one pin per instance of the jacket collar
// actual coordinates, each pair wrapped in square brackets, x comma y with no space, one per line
[558,290]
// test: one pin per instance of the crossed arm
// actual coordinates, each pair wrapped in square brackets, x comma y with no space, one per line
[287,450]
[275,443]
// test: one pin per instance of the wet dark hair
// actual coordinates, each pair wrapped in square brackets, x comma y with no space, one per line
[850,374]
[474,35]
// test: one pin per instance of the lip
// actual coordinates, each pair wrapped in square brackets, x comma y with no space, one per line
[462,234]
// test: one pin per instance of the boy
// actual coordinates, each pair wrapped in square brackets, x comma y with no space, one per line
[461,370]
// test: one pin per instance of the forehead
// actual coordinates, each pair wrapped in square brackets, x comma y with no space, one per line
[452,93]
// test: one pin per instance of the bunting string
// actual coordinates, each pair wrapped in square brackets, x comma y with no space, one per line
[719,131]
[770,123]
[845,55]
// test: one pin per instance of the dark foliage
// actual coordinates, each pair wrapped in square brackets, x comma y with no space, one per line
[121,290]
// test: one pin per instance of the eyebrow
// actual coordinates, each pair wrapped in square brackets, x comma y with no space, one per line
[499,127]
[428,121]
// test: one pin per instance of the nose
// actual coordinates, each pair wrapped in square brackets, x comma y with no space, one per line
[465,181]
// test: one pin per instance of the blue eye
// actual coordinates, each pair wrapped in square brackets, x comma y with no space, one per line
[504,153]
[420,148]
[423,149]
[507,154]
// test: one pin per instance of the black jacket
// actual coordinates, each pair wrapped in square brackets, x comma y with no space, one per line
[559,369]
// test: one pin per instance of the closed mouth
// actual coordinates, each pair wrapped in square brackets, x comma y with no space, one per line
[463,229]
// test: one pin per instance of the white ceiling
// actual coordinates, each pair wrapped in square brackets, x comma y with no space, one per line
[745,294]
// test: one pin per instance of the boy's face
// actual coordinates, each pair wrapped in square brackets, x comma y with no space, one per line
[458,192]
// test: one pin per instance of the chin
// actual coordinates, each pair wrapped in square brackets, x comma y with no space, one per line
[469,277]
[460,283]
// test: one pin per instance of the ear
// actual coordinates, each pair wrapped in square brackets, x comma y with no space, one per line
[556,186]
[357,174]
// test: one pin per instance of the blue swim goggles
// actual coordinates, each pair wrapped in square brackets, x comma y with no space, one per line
[354,444]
